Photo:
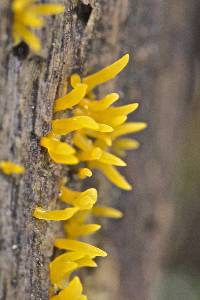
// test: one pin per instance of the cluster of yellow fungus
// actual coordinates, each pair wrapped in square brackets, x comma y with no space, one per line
[27,15]
[96,128]
[72,291]
[81,206]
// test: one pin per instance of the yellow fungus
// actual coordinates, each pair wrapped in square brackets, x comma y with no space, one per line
[111,159]
[112,174]
[101,136]
[82,247]
[84,173]
[104,103]
[101,144]
[54,215]
[121,110]
[78,219]
[59,272]
[120,146]
[104,128]
[74,80]
[107,73]
[67,194]
[115,121]
[66,257]
[21,32]
[19,4]
[83,297]
[86,261]
[8,167]
[63,265]
[114,112]
[82,142]
[127,128]
[56,146]
[94,154]
[84,200]
[119,152]
[27,15]
[64,126]
[72,292]
[106,211]
[101,156]
[48,9]
[71,99]
[28,18]
[74,230]
[126,144]
[63,159]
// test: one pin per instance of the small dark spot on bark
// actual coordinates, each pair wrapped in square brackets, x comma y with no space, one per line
[49,58]
[12,149]
[19,127]
[21,51]
[83,12]
[33,135]
[71,173]
[34,96]
[150,224]
[14,282]
[14,201]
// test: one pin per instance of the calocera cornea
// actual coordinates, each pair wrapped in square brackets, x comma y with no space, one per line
[9,167]
[27,16]
[97,129]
